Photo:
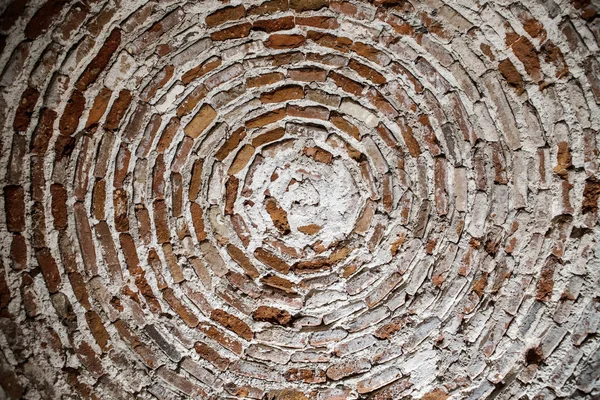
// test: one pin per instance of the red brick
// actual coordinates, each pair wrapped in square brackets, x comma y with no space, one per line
[97,329]
[118,110]
[100,61]
[271,260]
[14,208]
[225,14]
[272,315]
[308,5]
[346,84]
[73,111]
[281,41]
[233,32]
[98,107]
[59,206]
[201,70]
[232,323]
[191,101]
[273,25]
[44,17]
[265,79]
[186,315]
[25,110]
[198,221]
[211,355]
[342,44]
[318,21]
[269,7]
[283,94]
[158,82]
[49,269]
[43,131]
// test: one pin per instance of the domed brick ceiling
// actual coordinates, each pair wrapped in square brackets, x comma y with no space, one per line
[299,199]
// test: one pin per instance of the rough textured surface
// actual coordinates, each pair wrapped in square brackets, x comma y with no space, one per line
[299,199]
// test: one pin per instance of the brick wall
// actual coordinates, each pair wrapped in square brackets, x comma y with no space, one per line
[299,199]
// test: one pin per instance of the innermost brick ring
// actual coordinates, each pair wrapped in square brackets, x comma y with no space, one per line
[299,199]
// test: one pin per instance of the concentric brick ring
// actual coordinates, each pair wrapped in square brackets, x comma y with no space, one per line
[299,199]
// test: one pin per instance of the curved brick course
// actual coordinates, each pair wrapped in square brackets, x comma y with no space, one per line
[299,199]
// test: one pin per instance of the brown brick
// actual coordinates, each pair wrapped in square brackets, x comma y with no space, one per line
[271,260]
[274,25]
[186,315]
[49,269]
[18,252]
[25,110]
[44,17]
[342,44]
[308,5]
[233,32]
[98,107]
[14,208]
[367,72]
[203,118]
[232,323]
[225,14]
[281,41]
[59,206]
[43,131]
[265,79]
[118,110]
[240,258]
[191,101]
[201,70]
[512,76]
[100,61]
[318,21]
[97,329]
[272,315]
[231,189]
[73,111]
[198,221]
[283,94]
[211,355]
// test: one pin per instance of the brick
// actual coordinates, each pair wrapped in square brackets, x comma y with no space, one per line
[308,5]
[233,32]
[274,25]
[342,44]
[49,269]
[14,208]
[118,110]
[69,121]
[202,120]
[348,368]
[44,17]
[272,315]
[265,79]
[281,41]
[212,356]
[271,260]
[25,109]
[283,94]
[99,107]
[100,61]
[367,72]
[201,70]
[225,14]
[232,323]
[186,315]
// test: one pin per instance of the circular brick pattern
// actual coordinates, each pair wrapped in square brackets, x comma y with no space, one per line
[300,199]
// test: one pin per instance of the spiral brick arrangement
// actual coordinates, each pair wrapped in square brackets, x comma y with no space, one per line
[300,199]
